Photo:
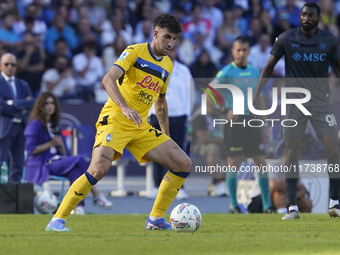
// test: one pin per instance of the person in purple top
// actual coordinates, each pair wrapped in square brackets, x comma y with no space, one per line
[46,153]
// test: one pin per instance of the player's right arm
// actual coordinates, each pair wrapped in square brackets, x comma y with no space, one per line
[121,66]
[110,83]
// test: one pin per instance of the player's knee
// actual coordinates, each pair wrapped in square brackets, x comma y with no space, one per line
[99,169]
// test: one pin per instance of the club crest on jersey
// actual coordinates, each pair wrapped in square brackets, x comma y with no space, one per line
[108,138]
[123,55]
[322,46]
[147,83]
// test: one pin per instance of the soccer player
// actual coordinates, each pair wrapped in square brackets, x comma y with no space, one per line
[242,139]
[138,79]
[308,52]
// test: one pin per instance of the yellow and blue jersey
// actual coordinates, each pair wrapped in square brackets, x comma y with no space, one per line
[243,78]
[145,78]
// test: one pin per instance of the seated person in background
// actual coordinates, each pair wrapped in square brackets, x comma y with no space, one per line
[208,142]
[277,186]
[46,151]
[60,80]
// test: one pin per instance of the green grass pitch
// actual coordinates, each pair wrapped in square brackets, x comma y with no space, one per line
[125,234]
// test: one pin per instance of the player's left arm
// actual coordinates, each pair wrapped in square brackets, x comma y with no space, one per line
[161,109]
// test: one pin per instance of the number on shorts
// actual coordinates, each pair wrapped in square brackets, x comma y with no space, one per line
[330,119]
[104,121]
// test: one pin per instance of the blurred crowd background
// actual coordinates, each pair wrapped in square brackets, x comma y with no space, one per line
[67,46]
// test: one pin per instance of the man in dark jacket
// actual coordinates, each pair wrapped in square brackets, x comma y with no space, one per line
[15,101]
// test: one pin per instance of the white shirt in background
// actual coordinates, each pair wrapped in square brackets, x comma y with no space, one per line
[63,87]
[179,95]
[94,73]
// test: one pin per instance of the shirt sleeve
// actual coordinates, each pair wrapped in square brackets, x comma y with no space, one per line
[278,48]
[126,59]
[221,74]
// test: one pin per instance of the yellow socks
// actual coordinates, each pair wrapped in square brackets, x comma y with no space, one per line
[77,192]
[167,192]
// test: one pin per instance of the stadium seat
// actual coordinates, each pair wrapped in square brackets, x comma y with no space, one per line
[84,141]
[62,179]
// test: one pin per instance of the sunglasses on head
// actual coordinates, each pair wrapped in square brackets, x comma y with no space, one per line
[12,64]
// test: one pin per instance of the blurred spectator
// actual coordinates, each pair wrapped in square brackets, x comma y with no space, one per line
[125,7]
[260,53]
[112,52]
[185,50]
[4,8]
[60,48]
[151,15]
[228,32]
[180,14]
[58,30]
[240,21]
[212,13]
[282,24]
[208,142]
[97,15]
[198,30]
[39,26]
[255,9]
[85,33]
[12,8]
[267,26]
[44,11]
[203,67]
[70,9]
[146,34]
[185,5]
[15,101]
[59,80]
[31,61]
[7,34]
[293,13]
[88,71]
[114,27]
[254,31]
[327,13]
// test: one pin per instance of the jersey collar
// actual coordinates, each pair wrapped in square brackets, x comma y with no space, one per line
[151,53]
[301,34]
[236,66]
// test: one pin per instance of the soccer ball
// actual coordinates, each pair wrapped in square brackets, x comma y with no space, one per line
[46,203]
[185,218]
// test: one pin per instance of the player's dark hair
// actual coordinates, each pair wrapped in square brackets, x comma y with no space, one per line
[313,5]
[169,21]
[241,39]
[38,111]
